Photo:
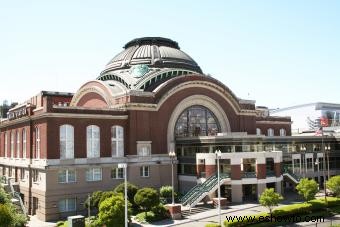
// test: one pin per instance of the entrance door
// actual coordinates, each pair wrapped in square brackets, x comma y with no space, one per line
[249,192]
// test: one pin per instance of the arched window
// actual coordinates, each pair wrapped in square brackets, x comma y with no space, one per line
[196,121]
[24,143]
[93,141]
[12,144]
[258,131]
[66,133]
[18,144]
[270,132]
[37,143]
[117,141]
[282,132]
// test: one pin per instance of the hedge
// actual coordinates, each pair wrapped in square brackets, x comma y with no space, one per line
[212,225]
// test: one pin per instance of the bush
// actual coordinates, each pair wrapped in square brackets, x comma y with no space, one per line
[94,199]
[160,211]
[333,184]
[146,199]
[294,209]
[269,198]
[5,215]
[105,195]
[212,225]
[165,191]
[112,212]
[131,191]
[4,197]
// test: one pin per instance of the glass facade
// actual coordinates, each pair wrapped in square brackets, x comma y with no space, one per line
[196,121]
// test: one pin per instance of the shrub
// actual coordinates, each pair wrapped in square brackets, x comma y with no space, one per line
[131,191]
[111,211]
[5,215]
[146,198]
[165,191]
[294,209]
[4,197]
[105,195]
[94,199]
[160,211]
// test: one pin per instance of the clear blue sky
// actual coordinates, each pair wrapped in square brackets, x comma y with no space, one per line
[279,53]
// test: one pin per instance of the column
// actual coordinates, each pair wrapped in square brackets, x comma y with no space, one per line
[236,193]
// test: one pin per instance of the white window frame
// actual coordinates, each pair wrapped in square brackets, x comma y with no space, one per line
[22,174]
[93,142]
[144,171]
[37,143]
[24,143]
[282,132]
[12,144]
[67,173]
[91,174]
[117,173]
[67,151]
[117,141]
[64,205]
[18,143]
[270,132]
[35,175]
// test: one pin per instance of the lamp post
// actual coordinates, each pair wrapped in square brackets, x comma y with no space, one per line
[172,156]
[124,166]
[303,149]
[318,169]
[218,156]
[328,148]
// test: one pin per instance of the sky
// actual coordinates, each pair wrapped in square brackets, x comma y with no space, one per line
[279,53]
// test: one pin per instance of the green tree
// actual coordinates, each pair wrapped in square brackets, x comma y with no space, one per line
[6,217]
[333,184]
[307,189]
[269,198]
[111,211]
[146,199]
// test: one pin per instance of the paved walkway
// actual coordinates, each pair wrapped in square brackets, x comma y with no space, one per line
[35,222]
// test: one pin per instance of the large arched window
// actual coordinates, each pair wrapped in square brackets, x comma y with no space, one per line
[117,141]
[24,143]
[93,141]
[282,132]
[66,133]
[196,121]
[37,143]
[270,132]
[18,144]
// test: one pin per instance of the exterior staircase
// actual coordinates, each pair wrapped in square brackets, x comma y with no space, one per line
[197,193]
[292,176]
[16,198]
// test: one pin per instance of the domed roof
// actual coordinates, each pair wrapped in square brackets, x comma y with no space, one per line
[153,52]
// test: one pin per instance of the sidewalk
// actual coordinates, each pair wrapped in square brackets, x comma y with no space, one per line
[35,222]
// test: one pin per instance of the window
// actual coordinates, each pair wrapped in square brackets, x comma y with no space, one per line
[12,144]
[117,173]
[6,145]
[24,144]
[258,131]
[282,132]
[67,205]
[18,144]
[22,173]
[144,151]
[309,163]
[94,174]
[270,132]
[66,133]
[35,175]
[93,141]
[196,121]
[117,141]
[145,171]
[67,176]
[37,143]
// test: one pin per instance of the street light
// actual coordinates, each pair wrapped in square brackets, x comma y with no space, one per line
[124,166]
[328,148]
[218,156]
[318,167]
[172,156]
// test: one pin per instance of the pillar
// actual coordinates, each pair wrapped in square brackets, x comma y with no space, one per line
[236,193]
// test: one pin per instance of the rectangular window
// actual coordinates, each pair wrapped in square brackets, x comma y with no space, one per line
[67,205]
[22,173]
[35,175]
[67,176]
[37,143]
[94,174]
[309,163]
[145,171]
[117,173]
[12,144]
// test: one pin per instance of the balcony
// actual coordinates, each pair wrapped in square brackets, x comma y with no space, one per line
[270,173]
[249,175]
